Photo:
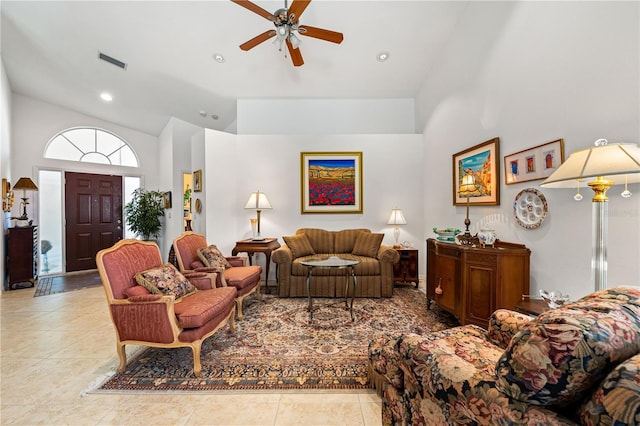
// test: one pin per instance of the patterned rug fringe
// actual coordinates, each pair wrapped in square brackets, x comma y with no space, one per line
[376,380]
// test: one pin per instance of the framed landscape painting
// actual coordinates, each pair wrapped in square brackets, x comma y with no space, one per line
[331,182]
[481,164]
[533,163]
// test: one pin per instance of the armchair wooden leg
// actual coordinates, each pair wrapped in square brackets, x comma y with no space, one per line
[239,305]
[232,321]
[122,354]
[197,366]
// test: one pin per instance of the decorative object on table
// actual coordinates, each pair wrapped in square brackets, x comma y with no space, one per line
[287,24]
[143,213]
[331,182]
[258,201]
[533,163]
[254,227]
[530,208]
[554,299]
[197,181]
[607,165]
[25,184]
[487,237]
[396,218]
[467,186]
[483,163]
[446,234]
[166,199]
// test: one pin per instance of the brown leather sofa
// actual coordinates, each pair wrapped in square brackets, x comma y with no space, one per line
[374,273]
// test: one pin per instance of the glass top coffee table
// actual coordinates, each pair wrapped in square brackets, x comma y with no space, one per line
[333,262]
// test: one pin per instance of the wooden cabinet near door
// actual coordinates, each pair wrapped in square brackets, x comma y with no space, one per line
[406,270]
[22,253]
[472,282]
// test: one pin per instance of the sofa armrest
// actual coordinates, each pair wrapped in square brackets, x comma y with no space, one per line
[237,260]
[147,309]
[504,324]
[388,254]
[282,255]
[203,280]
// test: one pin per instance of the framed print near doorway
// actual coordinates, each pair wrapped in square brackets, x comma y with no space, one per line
[331,182]
[483,163]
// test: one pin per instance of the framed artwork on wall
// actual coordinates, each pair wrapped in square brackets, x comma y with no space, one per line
[197,181]
[533,163]
[480,165]
[166,199]
[331,182]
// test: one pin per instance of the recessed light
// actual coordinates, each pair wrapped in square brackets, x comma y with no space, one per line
[215,116]
[218,57]
[106,97]
[382,56]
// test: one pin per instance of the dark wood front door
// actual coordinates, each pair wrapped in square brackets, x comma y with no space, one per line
[93,211]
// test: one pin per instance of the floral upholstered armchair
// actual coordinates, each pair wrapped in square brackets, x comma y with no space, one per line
[578,364]
[195,255]
[153,304]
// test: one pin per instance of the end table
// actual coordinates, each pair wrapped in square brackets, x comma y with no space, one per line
[265,246]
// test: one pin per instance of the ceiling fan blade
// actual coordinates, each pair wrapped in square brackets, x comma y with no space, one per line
[257,40]
[255,9]
[322,34]
[296,56]
[297,8]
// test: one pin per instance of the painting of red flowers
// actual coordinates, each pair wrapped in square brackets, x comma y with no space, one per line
[331,182]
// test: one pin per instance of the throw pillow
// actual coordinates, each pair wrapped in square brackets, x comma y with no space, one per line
[213,258]
[165,279]
[299,245]
[557,357]
[367,244]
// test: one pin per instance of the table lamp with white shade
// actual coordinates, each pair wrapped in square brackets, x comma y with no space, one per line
[396,218]
[258,201]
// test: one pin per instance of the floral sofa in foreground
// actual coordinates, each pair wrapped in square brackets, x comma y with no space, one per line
[374,273]
[571,365]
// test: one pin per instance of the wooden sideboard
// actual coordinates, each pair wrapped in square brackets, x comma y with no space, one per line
[472,282]
[22,252]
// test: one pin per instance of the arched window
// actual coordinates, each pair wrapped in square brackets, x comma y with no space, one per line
[91,145]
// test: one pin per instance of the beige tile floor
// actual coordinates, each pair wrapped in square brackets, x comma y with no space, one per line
[53,347]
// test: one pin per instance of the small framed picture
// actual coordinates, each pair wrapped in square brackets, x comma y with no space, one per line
[197,181]
[166,198]
[533,163]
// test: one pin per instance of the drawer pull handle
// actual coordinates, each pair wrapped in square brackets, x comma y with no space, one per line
[439,288]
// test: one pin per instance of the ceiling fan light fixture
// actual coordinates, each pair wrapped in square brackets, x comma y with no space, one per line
[295,40]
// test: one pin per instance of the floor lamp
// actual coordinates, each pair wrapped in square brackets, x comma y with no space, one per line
[602,166]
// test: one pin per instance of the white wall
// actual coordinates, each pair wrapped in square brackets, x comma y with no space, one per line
[36,122]
[236,166]
[530,73]
[325,116]
[5,150]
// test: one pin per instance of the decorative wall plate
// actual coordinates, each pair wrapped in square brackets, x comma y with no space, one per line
[530,208]
[198,205]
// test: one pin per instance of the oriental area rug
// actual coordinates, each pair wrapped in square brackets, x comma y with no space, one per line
[276,348]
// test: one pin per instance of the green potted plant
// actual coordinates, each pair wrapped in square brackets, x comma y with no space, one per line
[143,213]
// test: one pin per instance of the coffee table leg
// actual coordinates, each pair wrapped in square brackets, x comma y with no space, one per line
[309,294]
[355,286]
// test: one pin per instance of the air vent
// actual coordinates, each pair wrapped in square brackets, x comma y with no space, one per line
[113,61]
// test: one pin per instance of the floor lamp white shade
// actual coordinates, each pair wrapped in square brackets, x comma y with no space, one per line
[602,166]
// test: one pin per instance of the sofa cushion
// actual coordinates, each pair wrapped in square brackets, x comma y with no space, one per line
[213,258]
[165,279]
[299,245]
[321,240]
[616,401]
[203,306]
[345,239]
[559,355]
[367,244]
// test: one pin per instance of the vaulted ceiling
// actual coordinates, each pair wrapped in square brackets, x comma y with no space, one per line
[50,51]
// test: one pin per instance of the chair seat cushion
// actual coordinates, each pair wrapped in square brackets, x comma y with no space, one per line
[199,308]
[243,277]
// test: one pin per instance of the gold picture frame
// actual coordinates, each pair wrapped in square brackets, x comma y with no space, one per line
[166,199]
[534,163]
[483,161]
[197,181]
[331,182]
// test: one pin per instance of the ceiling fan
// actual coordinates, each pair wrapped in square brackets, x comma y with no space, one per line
[287,24]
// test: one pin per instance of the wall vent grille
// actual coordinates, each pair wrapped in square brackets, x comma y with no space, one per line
[113,61]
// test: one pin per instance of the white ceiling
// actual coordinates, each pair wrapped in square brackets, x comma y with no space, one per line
[50,52]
